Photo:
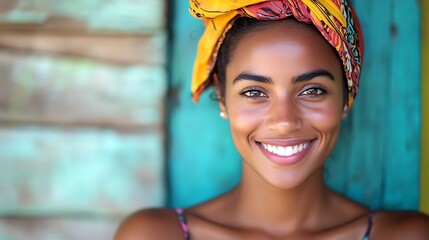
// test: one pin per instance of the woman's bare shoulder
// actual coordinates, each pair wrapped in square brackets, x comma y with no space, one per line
[153,224]
[401,225]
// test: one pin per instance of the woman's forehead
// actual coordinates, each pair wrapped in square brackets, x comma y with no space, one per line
[284,43]
[287,30]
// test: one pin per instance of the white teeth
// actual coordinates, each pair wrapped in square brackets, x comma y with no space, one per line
[285,151]
[280,150]
[289,151]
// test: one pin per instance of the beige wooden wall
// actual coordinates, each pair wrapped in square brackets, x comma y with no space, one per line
[82,93]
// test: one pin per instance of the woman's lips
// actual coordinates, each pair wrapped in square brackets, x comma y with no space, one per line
[286,153]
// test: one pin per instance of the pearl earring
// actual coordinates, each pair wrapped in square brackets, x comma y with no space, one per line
[222,115]
[344,113]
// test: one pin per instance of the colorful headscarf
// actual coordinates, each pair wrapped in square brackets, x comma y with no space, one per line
[335,19]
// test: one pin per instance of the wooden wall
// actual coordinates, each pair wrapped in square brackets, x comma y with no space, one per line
[377,159]
[82,95]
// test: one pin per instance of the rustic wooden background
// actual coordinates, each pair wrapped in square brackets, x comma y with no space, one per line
[82,101]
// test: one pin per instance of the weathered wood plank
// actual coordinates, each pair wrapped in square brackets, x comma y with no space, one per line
[117,49]
[82,89]
[126,16]
[64,229]
[56,90]
[402,156]
[424,166]
[52,171]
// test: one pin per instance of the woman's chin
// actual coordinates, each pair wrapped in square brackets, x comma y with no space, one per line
[284,180]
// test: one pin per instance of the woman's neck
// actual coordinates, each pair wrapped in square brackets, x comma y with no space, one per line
[259,202]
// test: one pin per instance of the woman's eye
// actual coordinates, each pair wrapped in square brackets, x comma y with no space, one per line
[314,91]
[253,94]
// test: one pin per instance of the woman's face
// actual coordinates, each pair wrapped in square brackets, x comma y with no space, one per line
[284,101]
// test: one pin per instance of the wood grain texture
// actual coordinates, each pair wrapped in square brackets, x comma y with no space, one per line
[402,156]
[43,89]
[424,167]
[376,161]
[82,115]
[114,49]
[124,16]
[56,228]
[60,171]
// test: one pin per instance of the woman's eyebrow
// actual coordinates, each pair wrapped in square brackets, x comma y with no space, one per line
[252,77]
[300,78]
[310,75]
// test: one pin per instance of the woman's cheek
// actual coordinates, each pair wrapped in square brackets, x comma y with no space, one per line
[244,119]
[327,123]
[248,112]
[327,115]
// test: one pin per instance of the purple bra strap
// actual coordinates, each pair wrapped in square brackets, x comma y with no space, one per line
[368,229]
[182,219]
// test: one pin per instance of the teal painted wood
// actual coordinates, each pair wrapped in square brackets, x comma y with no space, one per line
[37,89]
[377,156]
[82,97]
[404,125]
[56,229]
[57,172]
[81,135]
[133,49]
[123,16]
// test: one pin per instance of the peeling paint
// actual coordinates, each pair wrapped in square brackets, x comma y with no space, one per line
[42,87]
[80,170]
[126,16]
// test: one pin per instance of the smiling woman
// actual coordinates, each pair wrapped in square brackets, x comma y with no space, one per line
[286,73]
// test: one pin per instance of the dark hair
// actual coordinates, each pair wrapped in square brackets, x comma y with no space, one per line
[241,27]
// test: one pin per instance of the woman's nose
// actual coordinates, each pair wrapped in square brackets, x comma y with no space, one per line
[284,117]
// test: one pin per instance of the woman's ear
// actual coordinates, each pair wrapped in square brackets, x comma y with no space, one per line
[223,114]
[345,111]
[217,86]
